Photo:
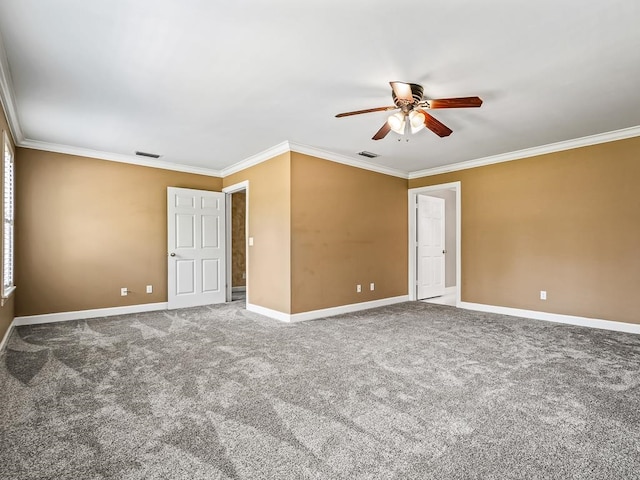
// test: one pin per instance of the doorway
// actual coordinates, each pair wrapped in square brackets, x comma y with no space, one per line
[237,241]
[450,195]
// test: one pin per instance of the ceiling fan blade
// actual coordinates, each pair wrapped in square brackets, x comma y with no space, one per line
[435,126]
[380,134]
[462,102]
[402,91]
[368,110]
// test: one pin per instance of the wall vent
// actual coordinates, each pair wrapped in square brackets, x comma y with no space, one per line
[147,154]
[364,153]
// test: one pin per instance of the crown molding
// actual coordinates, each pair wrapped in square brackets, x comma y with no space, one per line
[287,146]
[532,152]
[117,157]
[345,160]
[479,162]
[260,157]
[7,96]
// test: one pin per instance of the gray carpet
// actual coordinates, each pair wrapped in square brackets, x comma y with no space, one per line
[412,391]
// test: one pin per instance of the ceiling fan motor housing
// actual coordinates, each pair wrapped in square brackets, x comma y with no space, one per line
[417,92]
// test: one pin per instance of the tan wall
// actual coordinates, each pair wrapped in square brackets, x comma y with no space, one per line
[238,239]
[349,226]
[269,260]
[86,227]
[7,310]
[566,223]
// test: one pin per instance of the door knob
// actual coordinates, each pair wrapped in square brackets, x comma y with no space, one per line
[444,251]
[172,254]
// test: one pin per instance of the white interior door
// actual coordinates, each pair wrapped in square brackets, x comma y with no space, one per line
[196,247]
[431,247]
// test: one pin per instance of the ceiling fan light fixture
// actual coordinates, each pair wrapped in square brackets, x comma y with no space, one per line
[397,122]
[416,121]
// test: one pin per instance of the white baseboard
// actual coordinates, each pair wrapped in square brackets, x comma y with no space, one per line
[555,317]
[239,289]
[6,336]
[450,290]
[325,312]
[84,314]
[267,312]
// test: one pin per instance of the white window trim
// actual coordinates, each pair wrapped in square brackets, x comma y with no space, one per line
[7,292]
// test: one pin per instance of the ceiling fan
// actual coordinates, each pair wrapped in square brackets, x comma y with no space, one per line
[409,98]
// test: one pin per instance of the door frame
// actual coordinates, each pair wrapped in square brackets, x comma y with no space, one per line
[413,244]
[237,187]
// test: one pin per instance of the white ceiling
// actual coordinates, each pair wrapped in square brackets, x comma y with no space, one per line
[209,83]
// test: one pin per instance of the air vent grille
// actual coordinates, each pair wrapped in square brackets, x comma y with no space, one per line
[147,154]
[364,153]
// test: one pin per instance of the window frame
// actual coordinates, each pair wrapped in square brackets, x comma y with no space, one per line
[7,147]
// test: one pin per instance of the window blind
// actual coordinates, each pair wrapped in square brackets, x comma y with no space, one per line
[8,216]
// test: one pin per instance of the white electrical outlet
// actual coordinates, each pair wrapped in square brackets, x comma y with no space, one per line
[372,286]
[358,288]
[124,292]
[251,241]
[543,294]
[149,288]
